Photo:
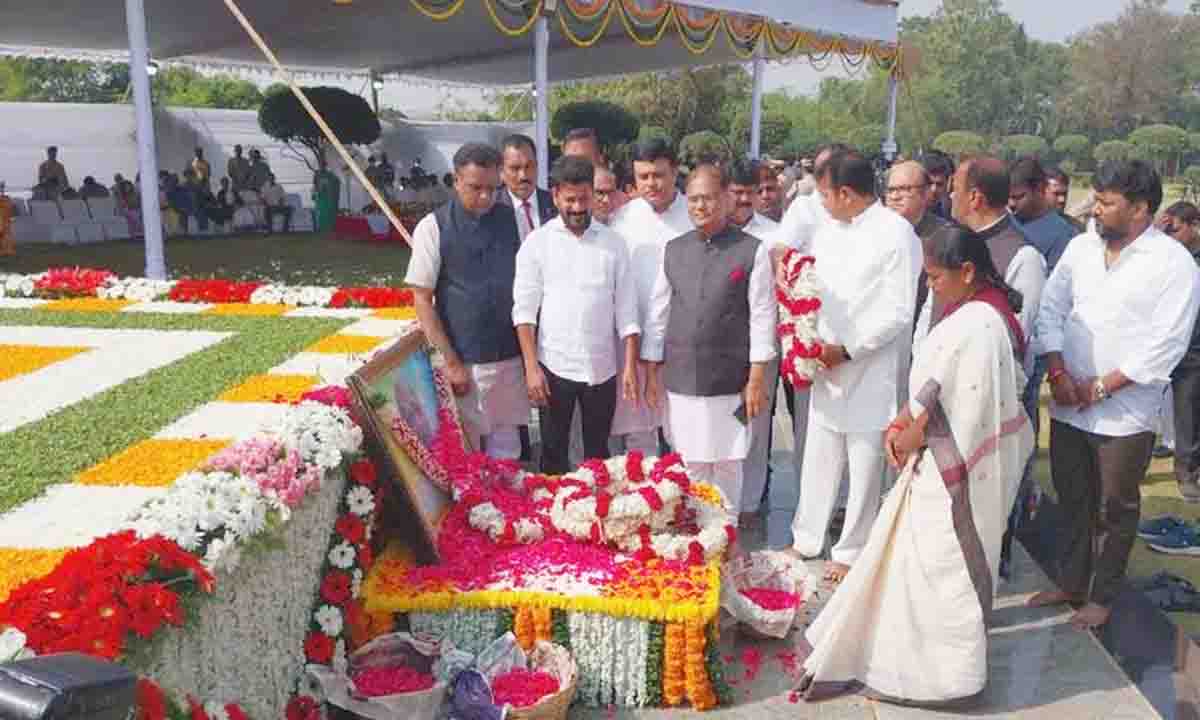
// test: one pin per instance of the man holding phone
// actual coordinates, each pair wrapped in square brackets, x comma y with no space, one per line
[710,335]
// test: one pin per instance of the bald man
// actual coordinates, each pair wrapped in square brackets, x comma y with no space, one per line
[910,193]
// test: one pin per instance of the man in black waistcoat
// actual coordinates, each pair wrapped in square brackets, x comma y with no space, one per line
[710,336]
[461,272]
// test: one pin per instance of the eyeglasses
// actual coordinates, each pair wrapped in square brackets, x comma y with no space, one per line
[897,190]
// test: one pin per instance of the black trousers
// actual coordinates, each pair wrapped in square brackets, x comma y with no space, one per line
[1098,479]
[597,403]
[1185,389]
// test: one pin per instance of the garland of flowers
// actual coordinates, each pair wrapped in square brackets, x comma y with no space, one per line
[655,662]
[155,704]
[505,621]
[560,633]
[674,684]
[77,282]
[699,689]
[799,302]
[716,668]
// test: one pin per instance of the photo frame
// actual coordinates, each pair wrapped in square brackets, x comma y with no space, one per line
[403,396]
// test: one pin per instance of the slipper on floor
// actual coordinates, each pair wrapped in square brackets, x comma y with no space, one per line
[1160,526]
[1160,580]
[1180,541]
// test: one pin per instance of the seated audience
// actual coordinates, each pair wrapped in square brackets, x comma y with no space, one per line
[275,202]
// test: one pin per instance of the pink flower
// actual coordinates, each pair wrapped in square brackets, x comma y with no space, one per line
[737,275]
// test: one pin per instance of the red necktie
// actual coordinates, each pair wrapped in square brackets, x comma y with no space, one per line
[528,216]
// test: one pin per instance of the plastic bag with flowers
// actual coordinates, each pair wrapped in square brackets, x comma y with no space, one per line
[763,591]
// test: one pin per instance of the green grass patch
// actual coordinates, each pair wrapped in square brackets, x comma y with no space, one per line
[294,259]
[53,450]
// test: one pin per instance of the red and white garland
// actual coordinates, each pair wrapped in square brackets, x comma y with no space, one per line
[799,302]
[641,505]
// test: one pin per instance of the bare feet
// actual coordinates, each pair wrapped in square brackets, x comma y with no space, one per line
[1048,598]
[835,572]
[1090,616]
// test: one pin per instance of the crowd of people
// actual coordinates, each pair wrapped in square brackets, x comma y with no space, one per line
[950,293]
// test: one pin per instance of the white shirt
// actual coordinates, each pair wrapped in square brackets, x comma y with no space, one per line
[760,293]
[646,234]
[867,272]
[1136,317]
[762,227]
[583,287]
[425,263]
[804,217]
[1026,273]
[523,225]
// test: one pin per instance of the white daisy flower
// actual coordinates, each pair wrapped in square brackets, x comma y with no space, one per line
[330,620]
[342,556]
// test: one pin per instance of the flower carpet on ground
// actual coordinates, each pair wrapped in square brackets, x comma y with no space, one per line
[158,435]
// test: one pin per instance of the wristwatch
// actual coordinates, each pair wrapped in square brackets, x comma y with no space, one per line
[1101,391]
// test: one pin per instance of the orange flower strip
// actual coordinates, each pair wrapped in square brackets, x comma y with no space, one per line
[699,688]
[543,625]
[345,344]
[23,359]
[86,305]
[271,388]
[152,463]
[523,628]
[248,310]
[674,650]
[18,566]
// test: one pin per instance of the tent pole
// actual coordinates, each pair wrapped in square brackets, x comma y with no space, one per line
[756,109]
[139,63]
[889,146]
[541,95]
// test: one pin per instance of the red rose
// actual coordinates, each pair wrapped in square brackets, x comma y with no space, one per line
[351,527]
[151,702]
[363,473]
[335,587]
[737,275]
[318,648]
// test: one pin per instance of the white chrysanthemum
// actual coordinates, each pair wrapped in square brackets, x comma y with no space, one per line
[342,556]
[360,501]
[330,620]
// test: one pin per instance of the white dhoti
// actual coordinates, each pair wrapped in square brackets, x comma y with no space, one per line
[712,442]
[496,405]
[635,425]
[828,454]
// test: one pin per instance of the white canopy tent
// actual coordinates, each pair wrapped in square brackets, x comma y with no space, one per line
[475,41]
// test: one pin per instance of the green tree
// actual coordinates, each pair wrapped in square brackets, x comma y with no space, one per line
[46,80]
[1161,144]
[614,125]
[184,87]
[1016,146]
[774,133]
[702,145]
[348,115]
[867,139]
[957,143]
[653,131]
[1114,150]
[1073,147]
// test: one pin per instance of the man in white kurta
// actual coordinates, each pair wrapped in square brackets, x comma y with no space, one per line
[866,264]
[710,336]
[647,223]
[744,185]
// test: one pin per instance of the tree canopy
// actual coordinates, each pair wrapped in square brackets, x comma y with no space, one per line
[349,116]
[614,125]
[957,143]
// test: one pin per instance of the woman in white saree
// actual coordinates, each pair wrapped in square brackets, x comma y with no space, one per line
[909,622]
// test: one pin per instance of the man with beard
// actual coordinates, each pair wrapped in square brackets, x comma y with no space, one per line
[461,273]
[1058,189]
[770,193]
[711,335]
[1044,228]
[573,290]
[647,223]
[745,178]
[1115,321]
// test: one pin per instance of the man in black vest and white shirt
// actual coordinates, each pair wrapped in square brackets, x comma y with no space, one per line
[710,336]
[464,256]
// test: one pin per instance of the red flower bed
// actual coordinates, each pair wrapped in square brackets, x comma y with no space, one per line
[100,594]
[371,297]
[213,291]
[72,282]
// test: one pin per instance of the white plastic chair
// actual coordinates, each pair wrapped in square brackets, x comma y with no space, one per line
[104,211]
[75,212]
[47,215]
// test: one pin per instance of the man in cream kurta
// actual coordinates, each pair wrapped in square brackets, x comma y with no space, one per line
[710,336]
[647,224]
[866,264]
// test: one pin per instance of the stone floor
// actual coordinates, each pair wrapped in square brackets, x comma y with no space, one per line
[1039,666]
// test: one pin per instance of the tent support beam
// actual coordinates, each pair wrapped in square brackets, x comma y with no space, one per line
[541,96]
[756,101]
[320,121]
[889,145]
[143,110]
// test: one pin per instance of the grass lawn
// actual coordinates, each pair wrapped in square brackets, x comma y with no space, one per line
[293,259]
[53,450]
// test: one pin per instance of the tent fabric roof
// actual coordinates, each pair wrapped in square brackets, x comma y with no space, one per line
[478,42]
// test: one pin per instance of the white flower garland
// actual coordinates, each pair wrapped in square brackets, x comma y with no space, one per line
[135,288]
[302,296]
[322,434]
[799,300]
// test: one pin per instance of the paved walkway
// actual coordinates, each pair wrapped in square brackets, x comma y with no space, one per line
[1040,667]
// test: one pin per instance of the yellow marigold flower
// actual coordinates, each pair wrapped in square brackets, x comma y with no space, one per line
[345,344]
[248,309]
[152,463]
[86,305]
[396,313]
[19,566]
[271,388]
[22,359]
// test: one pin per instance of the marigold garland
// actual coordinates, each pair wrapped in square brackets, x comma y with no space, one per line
[716,667]
[23,359]
[523,628]
[674,686]
[655,661]
[699,690]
